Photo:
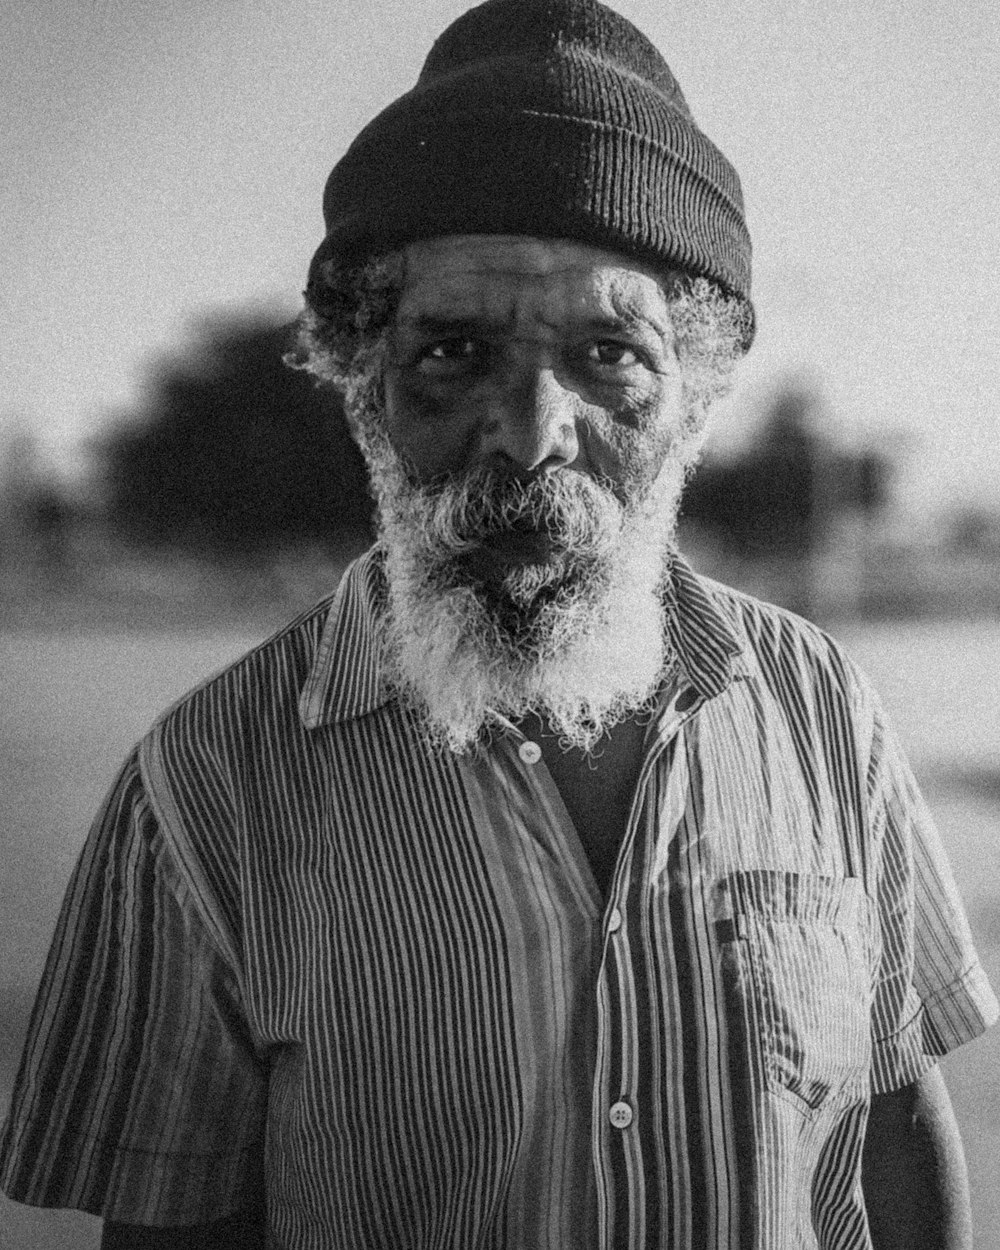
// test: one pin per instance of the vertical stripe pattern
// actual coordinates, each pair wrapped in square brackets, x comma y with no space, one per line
[303,957]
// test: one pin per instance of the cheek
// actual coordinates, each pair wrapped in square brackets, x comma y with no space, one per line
[631,445]
[433,438]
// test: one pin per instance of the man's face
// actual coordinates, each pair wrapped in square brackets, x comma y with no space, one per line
[528,460]
[530,357]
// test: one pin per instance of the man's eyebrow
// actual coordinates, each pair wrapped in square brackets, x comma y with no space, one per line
[627,313]
[425,323]
[445,326]
[628,319]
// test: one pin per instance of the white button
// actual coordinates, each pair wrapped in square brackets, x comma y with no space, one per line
[620,1115]
[614,920]
[530,752]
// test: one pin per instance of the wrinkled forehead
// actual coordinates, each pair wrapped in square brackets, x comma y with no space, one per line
[517,281]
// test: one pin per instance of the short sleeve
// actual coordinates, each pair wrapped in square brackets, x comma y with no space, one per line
[141,1096]
[931,993]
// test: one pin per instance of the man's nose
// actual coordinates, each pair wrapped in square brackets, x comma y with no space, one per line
[534,423]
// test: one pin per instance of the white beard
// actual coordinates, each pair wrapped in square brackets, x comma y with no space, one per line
[578,639]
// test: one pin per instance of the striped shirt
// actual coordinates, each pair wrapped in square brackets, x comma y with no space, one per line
[303,956]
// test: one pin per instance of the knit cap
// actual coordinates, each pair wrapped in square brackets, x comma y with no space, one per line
[552,118]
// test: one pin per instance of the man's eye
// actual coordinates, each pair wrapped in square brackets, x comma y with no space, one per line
[452,353]
[611,355]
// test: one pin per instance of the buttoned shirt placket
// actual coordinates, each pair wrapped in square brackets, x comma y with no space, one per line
[616,1103]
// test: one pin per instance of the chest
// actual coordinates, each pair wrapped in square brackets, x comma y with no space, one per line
[598,792]
[447,989]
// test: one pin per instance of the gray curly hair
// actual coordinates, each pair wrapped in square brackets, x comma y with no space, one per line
[340,336]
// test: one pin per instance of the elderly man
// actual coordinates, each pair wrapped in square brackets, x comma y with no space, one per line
[532,892]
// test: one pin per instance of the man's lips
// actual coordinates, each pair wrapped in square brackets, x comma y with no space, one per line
[525,545]
[496,553]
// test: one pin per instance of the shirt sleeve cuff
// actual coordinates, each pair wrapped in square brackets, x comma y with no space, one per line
[136,1186]
[953,1016]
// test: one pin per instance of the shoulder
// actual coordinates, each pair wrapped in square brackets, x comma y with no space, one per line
[217,768]
[776,641]
[254,721]
[246,700]
[796,666]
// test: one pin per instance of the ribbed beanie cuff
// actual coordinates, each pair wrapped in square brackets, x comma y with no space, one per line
[552,118]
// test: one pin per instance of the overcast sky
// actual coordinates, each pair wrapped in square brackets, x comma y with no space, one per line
[165,158]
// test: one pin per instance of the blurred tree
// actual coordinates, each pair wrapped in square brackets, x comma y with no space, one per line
[779,495]
[234,453]
[972,530]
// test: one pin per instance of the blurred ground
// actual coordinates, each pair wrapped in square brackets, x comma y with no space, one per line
[79,687]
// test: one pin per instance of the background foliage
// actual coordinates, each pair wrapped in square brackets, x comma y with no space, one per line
[234,453]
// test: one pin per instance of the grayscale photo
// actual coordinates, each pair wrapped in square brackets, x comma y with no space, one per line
[499,625]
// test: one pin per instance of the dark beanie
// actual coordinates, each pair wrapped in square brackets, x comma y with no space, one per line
[552,118]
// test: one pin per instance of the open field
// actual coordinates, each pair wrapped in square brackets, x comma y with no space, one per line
[74,702]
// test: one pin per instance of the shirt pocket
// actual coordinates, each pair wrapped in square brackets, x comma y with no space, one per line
[795,953]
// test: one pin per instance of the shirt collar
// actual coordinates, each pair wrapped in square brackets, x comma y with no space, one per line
[705,637]
[347,678]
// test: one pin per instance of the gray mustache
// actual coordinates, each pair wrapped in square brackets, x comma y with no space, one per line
[569,510]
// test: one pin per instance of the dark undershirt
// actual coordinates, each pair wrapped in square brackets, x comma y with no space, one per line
[597,792]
